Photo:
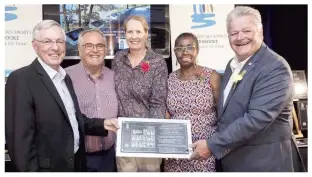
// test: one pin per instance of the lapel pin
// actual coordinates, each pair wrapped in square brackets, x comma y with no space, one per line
[249,63]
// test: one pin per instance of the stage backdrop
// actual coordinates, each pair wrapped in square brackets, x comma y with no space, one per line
[208,23]
[19,23]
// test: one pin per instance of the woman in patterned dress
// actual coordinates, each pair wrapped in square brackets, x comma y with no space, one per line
[192,94]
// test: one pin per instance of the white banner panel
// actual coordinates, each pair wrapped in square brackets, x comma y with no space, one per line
[208,23]
[19,23]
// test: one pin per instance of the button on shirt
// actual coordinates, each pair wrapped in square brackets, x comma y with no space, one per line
[59,82]
[236,67]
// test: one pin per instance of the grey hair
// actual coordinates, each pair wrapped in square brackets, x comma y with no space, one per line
[80,38]
[241,11]
[43,25]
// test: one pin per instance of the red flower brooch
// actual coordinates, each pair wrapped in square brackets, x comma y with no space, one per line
[145,66]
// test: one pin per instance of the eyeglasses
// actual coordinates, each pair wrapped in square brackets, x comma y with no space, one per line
[49,43]
[187,48]
[89,46]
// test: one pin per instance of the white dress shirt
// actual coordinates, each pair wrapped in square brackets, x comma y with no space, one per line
[59,82]
[236,67]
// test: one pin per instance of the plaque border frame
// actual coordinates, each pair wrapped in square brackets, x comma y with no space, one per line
[152,155]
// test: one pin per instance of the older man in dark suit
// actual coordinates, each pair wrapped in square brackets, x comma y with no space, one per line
[254,112]
[44,127]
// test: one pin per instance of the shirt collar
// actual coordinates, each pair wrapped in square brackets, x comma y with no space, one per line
[236,64]
[150,54]
[87,72]
[52,72]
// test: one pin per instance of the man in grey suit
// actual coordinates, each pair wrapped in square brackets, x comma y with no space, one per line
[254,111]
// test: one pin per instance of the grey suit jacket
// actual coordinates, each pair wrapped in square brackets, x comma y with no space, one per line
[255,123]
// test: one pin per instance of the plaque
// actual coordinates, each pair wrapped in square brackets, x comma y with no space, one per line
[159,138]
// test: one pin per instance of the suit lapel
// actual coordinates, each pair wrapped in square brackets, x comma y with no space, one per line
[248,67]
[50,86]
[71,90]
[225,80]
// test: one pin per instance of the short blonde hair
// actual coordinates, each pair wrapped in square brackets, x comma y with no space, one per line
[137,18]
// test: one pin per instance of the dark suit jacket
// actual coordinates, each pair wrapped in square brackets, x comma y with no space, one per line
[38,133]
[255,123]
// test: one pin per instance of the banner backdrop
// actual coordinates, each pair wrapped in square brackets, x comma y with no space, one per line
[19,23]
[208,23]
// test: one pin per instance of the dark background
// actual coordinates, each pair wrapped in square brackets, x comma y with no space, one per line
[286,32]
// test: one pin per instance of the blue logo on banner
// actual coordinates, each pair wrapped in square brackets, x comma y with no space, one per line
[10,16]
[205,11]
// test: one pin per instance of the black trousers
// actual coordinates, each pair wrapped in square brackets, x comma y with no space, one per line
[218,166]
[80,162]
[102,161]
